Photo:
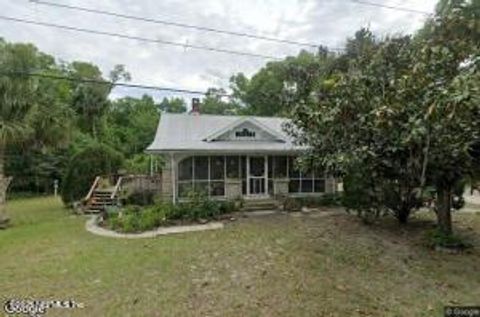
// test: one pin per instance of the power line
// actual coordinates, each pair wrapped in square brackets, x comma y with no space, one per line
[373,4]
[102,82]
[180,25]
[138,38]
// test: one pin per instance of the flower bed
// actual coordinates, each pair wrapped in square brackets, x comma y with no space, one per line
[140,219]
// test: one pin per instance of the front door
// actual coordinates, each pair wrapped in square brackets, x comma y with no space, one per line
[256,175]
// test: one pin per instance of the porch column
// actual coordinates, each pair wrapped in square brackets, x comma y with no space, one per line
[168,178]
[330,185]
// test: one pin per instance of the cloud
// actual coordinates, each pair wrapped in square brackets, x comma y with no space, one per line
[322,22]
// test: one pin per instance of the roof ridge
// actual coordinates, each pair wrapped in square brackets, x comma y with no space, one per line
[221,115]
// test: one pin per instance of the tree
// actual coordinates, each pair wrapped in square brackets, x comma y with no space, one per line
[131,124]
[90,100]
[404,114]
[173,105]
[278,86]
[215,102]
[91,161]
[24,107]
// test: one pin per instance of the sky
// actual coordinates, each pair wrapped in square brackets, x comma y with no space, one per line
[326,22]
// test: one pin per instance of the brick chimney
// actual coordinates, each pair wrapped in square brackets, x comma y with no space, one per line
[195,106]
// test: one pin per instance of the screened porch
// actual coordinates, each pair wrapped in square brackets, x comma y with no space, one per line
[249,176]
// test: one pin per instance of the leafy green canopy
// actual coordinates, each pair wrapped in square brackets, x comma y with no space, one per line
[403,114]
[93,160]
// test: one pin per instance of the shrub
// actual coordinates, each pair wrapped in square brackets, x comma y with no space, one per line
[141,198]
[93,160]
[198,206]
[135,218]
[227,206]
[292,204]
[436,238]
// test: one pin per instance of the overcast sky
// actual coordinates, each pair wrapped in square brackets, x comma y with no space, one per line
[327,22]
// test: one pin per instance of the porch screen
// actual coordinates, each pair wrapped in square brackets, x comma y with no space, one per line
[203,174]
[304,181]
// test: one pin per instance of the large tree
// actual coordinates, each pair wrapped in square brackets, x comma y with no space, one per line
[27,116]
[403,114]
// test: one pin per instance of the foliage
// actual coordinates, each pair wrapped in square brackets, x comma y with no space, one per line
[134,218]
[29,118]
[228,206]
[44,122]
[403,114]
[173,105]
[292,204]
[130,124]
[198,206]
[325,200]
[140,163]
[141,198]
[215,103]
[95,159]
[279,85]
[438,238]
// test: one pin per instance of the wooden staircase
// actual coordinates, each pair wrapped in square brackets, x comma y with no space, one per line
[260,204]
[98,199]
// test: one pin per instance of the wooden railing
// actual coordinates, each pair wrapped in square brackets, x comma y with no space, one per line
[118,185]
[92,189]
[142,182]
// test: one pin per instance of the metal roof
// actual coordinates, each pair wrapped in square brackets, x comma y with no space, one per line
[197,133]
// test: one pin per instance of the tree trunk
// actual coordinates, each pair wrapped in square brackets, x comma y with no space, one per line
[403,215]
[4,182]
[444,215]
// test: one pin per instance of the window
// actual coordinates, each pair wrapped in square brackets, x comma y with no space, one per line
[217,167]
[203,174]
[233,166]
[185,169]
[280,166]
[304,181]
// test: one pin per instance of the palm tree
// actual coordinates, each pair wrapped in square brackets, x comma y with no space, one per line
[24,114]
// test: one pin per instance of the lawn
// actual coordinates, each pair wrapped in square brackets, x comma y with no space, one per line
[279,265]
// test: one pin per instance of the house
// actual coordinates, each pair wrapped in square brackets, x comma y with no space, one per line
[228,157]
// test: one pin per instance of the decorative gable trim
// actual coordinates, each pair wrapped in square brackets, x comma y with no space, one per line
[246,134]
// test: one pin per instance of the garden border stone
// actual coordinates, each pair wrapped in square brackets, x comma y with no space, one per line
[92,227]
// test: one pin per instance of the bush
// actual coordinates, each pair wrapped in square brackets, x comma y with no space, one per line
[437,238]
[136,219]
[292,204]
[228,206]
[325,200]
[198,206]
[91,161]
[141,198]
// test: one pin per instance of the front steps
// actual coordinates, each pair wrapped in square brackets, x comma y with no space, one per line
[259,204]
[99,201]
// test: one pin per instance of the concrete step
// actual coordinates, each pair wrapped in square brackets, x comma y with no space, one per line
[264,204]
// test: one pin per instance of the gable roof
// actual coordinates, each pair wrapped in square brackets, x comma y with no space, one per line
[274,135]
[187,132]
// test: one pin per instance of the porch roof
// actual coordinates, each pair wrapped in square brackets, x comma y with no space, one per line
[196,133]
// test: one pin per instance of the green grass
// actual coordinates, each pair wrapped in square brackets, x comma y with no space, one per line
[270,266]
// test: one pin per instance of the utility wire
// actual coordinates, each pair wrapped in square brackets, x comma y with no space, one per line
[180,25]
[102,82]
[138,38]
[373,4]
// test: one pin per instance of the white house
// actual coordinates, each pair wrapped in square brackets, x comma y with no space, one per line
[231,157]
